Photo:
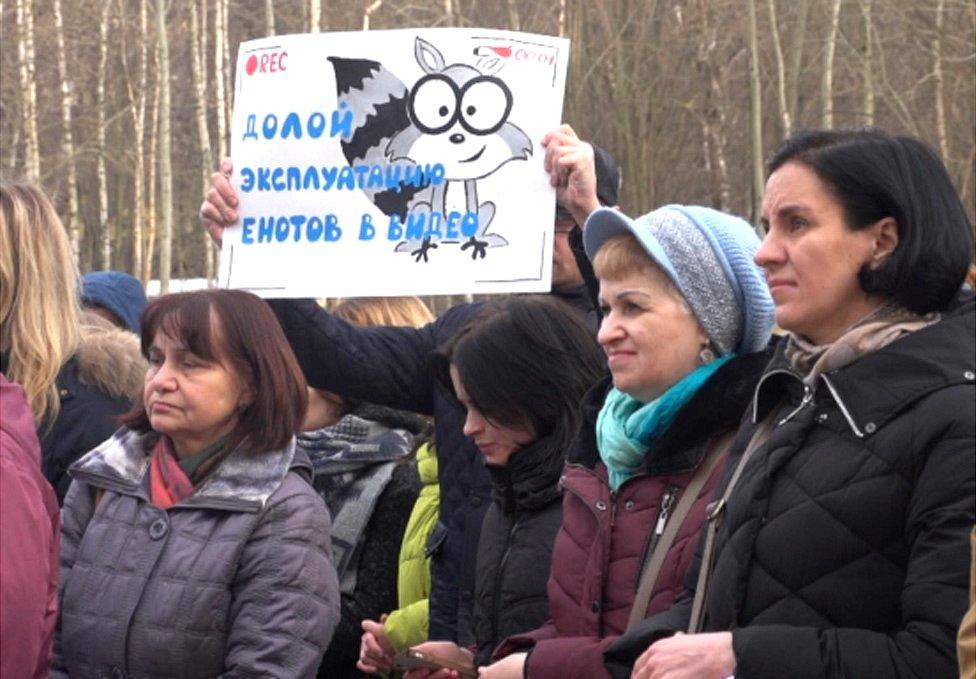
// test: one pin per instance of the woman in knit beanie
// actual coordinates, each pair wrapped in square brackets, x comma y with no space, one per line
[838,544]
[686,320]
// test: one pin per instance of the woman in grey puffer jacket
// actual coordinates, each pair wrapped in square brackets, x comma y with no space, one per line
[193,544]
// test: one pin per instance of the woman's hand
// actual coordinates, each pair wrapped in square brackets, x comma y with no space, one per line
[219,207]
[441,650]
[688,656]
[375,651]
[572,171]
[509,667]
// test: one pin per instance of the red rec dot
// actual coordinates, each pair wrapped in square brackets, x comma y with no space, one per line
[252,65]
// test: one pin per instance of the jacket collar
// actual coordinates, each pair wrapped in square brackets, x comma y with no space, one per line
[242,482]
[878,386]
[718,405]
[530,479]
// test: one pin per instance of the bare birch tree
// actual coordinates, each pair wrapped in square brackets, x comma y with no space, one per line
[105,229]
[867,72]
[151,164]
[786,120]
[514,22]
[72,221]
[802,8]
[137,108]
[165,158]
[827,77]
[269,18]
[314,16]
[940,117]
[755,118]
[28,87]
[220,83]
[368,12]
[203,133]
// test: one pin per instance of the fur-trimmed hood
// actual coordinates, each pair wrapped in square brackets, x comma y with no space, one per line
[110,360]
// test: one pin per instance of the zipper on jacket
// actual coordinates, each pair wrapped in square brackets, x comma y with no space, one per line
[664,513]
[498,580]
[807,399]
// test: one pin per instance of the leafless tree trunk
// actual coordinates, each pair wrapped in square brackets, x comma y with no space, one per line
[165,159]
[220,32]
[827,78]
[940,117]
[714,140]
[105,234]
[73,224]
[796,57]
[137,104]
[755,117]
[784,111]
[204,45]
[561,19]
[151,217]
[28,88]
[514,22]
[368,12]
[314,16]
[269,19]
[867,74]
[203,133]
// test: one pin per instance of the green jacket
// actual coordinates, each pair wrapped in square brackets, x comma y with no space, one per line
[407,626]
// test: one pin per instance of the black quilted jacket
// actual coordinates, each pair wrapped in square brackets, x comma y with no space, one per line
[844,546]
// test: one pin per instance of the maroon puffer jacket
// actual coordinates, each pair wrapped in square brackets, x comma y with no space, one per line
[606,537]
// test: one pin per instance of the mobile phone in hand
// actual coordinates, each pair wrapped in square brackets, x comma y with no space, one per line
[412,659]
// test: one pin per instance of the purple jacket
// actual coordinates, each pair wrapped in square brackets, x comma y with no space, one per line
[607,536]
[235,580]
[29,539]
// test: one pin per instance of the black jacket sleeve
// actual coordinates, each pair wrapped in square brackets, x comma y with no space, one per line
[383,365]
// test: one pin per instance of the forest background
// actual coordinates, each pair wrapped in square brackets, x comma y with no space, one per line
[120,109]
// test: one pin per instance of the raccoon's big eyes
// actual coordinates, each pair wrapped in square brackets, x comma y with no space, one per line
[434,103]
[485,104]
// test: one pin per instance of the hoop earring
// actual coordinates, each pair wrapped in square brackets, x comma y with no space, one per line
[705,356]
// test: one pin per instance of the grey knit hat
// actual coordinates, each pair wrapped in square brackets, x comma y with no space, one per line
[709,256]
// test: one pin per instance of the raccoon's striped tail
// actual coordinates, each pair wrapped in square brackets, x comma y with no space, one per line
[378,102]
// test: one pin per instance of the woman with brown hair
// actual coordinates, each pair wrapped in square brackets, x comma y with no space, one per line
[193,543]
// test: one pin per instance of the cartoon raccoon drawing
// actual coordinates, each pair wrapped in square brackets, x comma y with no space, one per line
[454,115]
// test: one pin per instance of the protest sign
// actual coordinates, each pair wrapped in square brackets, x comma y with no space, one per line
[393,162]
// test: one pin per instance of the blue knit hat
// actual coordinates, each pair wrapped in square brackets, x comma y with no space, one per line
[118,292]
[709,256]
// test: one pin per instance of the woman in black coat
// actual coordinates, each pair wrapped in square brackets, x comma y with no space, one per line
[519,368]
[840,547]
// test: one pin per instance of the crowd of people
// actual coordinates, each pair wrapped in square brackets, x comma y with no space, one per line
[702,455]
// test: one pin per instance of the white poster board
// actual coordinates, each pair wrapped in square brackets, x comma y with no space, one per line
[393,162]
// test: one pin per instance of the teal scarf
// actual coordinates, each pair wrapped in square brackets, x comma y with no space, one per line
[626,428]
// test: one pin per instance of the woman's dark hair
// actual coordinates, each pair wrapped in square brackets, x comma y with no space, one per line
[526,360]
[875,175]
[238,330]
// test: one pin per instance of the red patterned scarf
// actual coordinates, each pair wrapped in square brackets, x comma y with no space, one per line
[168,484]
